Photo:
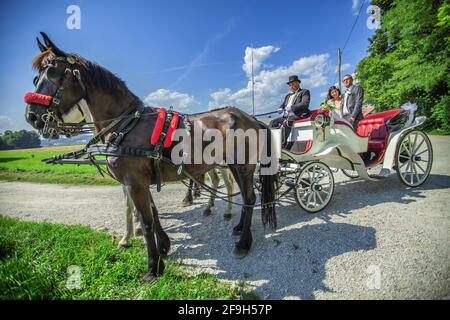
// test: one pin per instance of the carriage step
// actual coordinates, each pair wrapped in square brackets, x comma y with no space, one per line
[384,173]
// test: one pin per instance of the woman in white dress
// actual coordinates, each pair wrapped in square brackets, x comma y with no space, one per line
[334,98]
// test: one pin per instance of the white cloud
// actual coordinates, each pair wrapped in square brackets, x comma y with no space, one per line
[355,6]
[270,85]
[7,124]
[166,98]
[259,55]
[324,94]
[344,67]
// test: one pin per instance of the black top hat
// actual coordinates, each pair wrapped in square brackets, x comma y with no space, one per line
[292,79]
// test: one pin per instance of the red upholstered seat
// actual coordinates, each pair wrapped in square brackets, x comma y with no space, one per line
[385,115]
[375,129]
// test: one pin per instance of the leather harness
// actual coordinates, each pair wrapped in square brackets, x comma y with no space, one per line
[118,127]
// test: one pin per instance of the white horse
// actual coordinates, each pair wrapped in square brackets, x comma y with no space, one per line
[133,226]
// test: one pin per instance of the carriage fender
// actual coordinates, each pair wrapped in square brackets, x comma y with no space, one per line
[389,157]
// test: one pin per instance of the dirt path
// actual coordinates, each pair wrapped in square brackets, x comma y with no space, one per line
[375,239]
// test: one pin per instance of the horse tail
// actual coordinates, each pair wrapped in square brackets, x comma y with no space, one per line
[268,187]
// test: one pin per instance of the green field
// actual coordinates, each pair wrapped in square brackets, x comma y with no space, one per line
[26,165]
[35,257]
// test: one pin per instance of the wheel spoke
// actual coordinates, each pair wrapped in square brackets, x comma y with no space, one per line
[409,144]
[406,149]
[413,146]
[309,175]
[321,200]
[321,178]
[407,169]
[404,163]
[315,198]
[420,144]
[309,199]
[416,173]
[420,167]
[422,152]
[305,195]
[304,181]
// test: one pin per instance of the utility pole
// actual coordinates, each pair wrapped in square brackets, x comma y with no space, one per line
[253,86]
[339,69]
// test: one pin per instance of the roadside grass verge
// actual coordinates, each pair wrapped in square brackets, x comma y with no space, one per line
[35,257]
[26,165]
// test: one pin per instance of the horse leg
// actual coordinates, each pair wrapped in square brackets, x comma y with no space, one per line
[188,200]
[244,174]
[227,179]
[141,198]
[137,224]
[129,206]
[237,230]
[162,239]
[197,193]
[215,183]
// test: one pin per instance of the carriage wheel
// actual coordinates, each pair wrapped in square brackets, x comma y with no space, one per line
[414,158]
[353,174]
[314,187]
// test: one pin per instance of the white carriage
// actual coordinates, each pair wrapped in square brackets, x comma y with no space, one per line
[388,141]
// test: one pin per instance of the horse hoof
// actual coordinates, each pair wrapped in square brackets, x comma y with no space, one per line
[236,232]
[240,253]
[227,216]
[149,278]
[123,244]
[207,212]
[186,203]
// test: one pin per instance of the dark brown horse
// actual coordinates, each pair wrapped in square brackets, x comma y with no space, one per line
[70,78]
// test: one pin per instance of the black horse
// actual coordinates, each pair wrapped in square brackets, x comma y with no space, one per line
[65,79]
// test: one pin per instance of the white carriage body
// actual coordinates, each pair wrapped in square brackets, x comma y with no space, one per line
[339,146]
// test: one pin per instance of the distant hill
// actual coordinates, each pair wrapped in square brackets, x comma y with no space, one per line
[81,139]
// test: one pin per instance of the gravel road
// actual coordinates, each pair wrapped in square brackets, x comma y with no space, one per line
[376,240]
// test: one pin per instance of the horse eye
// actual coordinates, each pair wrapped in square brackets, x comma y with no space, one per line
[35,80]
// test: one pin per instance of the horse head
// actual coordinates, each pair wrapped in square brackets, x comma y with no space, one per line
[59,91]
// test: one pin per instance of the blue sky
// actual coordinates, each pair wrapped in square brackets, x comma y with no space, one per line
[190,54]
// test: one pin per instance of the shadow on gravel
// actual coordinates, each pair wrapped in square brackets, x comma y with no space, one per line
[292,260]
[288,262]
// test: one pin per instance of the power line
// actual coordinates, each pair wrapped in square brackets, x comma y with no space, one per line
[354,24]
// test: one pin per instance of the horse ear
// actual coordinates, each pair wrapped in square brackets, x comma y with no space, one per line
[40,45]
[51,46]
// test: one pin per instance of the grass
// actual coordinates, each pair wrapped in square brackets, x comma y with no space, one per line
[26,165]
[35,257]
[439,132]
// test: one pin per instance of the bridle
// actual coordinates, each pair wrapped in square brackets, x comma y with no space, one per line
[53,122]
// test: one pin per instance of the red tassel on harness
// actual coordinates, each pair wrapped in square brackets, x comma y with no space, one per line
[171,131]
[159,125]
[37,98]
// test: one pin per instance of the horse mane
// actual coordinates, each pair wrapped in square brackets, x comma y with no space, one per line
[93,74]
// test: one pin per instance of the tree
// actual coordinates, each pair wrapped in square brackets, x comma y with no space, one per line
[409,59]
[20,139]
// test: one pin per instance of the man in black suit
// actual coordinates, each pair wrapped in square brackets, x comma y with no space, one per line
[295,106]
[353,100]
